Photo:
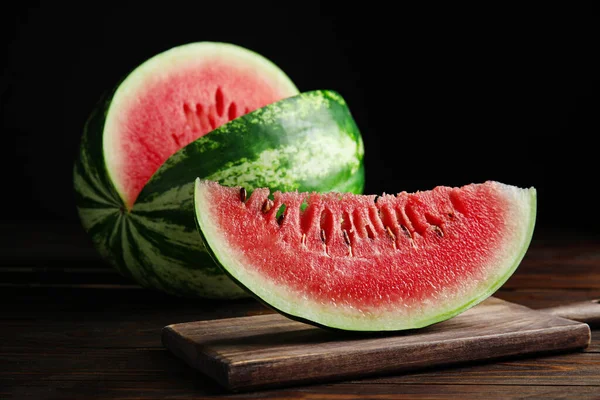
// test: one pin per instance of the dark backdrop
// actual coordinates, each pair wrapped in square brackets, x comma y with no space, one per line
[440,100]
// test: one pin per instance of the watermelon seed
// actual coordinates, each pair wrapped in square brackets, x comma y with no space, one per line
[434,221]
[450,215]
[376,198]
[243,194]
[280,214]
[346,237]
[379,219]
[391,235]
[347,240]
[406,231]
[303,239]
[324,239]
[267,205]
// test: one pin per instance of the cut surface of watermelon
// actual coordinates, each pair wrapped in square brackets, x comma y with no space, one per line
[178,96]
[366,262]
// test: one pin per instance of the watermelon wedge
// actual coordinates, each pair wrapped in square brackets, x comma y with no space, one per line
[366,262]
[213,110]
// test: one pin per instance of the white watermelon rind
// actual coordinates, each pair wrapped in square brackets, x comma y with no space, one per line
[523,201]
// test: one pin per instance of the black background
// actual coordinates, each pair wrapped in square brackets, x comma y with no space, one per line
[442,96]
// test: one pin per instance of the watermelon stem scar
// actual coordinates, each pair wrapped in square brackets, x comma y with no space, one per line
[366,263]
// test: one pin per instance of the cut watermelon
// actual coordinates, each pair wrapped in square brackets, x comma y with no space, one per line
[143,146]
[366,262]
[178,96]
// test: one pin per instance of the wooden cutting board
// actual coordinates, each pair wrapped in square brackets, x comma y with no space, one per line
[272,350]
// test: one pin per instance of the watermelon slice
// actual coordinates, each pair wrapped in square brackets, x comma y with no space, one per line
[366,262]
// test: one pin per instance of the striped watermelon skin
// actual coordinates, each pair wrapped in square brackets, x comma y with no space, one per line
[308,142]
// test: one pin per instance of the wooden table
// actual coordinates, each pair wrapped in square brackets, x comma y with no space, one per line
[73,329]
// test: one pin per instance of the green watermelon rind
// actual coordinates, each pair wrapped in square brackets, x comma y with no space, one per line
[156,244]
[218,251]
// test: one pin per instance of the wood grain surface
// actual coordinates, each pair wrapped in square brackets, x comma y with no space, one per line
[272,350]
[71,328]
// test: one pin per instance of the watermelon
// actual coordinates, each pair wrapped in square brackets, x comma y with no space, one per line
[364,262]
[212,110]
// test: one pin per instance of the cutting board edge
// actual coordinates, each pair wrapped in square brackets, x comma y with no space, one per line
[567,338]
[205,361]
[242,376]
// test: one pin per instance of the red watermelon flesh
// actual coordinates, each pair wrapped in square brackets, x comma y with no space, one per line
[366,262]
[177,97]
